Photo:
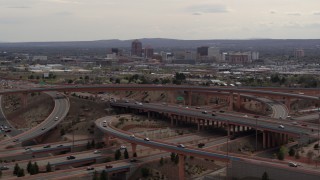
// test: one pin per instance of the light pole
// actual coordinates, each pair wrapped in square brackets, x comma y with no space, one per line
[256,132]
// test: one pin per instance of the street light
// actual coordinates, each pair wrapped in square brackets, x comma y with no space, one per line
[256,132]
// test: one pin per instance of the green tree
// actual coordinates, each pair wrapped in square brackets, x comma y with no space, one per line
[292,152]
[29,166]
[172,156]
[93,143]
[95,175]
[48,167]
[265,176]
[117,81]
[126,154]
[161,161]
[70,81]
[135,154]
[88,145]
[16,169]
[176,159]
[103,175]
[20,173]
[36,167]
[117,154]
[282,153]
[145,172]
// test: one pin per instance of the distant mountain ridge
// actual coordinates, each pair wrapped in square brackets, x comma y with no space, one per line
[172,43]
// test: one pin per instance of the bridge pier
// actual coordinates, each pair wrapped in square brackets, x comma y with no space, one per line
[238,102]
[107,139]
[287,103]
[231,101]
[181,167]
[24,97]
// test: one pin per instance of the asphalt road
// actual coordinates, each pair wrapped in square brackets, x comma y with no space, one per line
[60,110]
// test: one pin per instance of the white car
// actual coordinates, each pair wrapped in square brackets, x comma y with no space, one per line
[292,164]
[181,146]
[245,115]
[96,152]
[123,147]
[132,136]
[281,126]
[146,139]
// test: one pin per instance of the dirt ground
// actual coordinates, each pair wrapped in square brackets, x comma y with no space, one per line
[81,117]
[38,108]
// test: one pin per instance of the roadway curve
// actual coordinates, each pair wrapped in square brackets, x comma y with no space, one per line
[4,121]
[60,110]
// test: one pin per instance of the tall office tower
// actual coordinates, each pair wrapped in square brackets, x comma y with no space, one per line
[136,48]
[214,52]
[148,52]
[298,53]
[202,51]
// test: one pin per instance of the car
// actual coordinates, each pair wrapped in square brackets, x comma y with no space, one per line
[108,166]
[47,146]
[4,168]
[146,139]
[294,123]
[187,107]
[127,101]
[8,130]
[164,103]
[181,146]
[133,160]
[15,140]
[245,115]
[281,126]
[140,104]
[43,129]
[5,127]
[213,114]
[104,125]
[123,147]
[221,111]
[89,168]
[70,157]
[61,145]
[56,118]
[292,164]
[204,112]
[104,121]
[27,148]
[305,125]
[197,107]
[132,136]
[96,152]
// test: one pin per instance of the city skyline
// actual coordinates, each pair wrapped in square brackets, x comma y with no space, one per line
[84,20]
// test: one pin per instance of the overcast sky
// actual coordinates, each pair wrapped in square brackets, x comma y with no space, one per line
[65,20]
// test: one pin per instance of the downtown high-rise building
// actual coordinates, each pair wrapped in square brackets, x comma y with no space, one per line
[136,48]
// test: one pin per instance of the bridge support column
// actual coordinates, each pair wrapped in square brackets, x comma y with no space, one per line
[148,114]
[134,149]
[273,139]
[238,102]
[228,128]
[181,167]
[198,123]
[231,101]
[206,100]
[189,94]
[268,139]
[171,119]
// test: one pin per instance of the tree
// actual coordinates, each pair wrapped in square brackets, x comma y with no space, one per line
[117,154]
[172,156]
[93,143]
[16,169]
[292,152]
[265,176]
[88,145]
[161,161]
[48,167]
[29,166]
[36,167]
[282,153]
[135,154]
[176,159]
[117,81]
[20,173]
[103,175]
[62,132]
[95,175]
[126,154]
[145,172]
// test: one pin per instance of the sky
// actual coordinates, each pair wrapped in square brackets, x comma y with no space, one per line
[83,20]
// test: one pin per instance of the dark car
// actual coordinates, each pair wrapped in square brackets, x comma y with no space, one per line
[221,111]
[108,166]
[4,168]
[47,146]
[70,157]
[213,114]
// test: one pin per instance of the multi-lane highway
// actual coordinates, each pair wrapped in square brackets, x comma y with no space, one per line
[60,110]
[4,122]
[271,124]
